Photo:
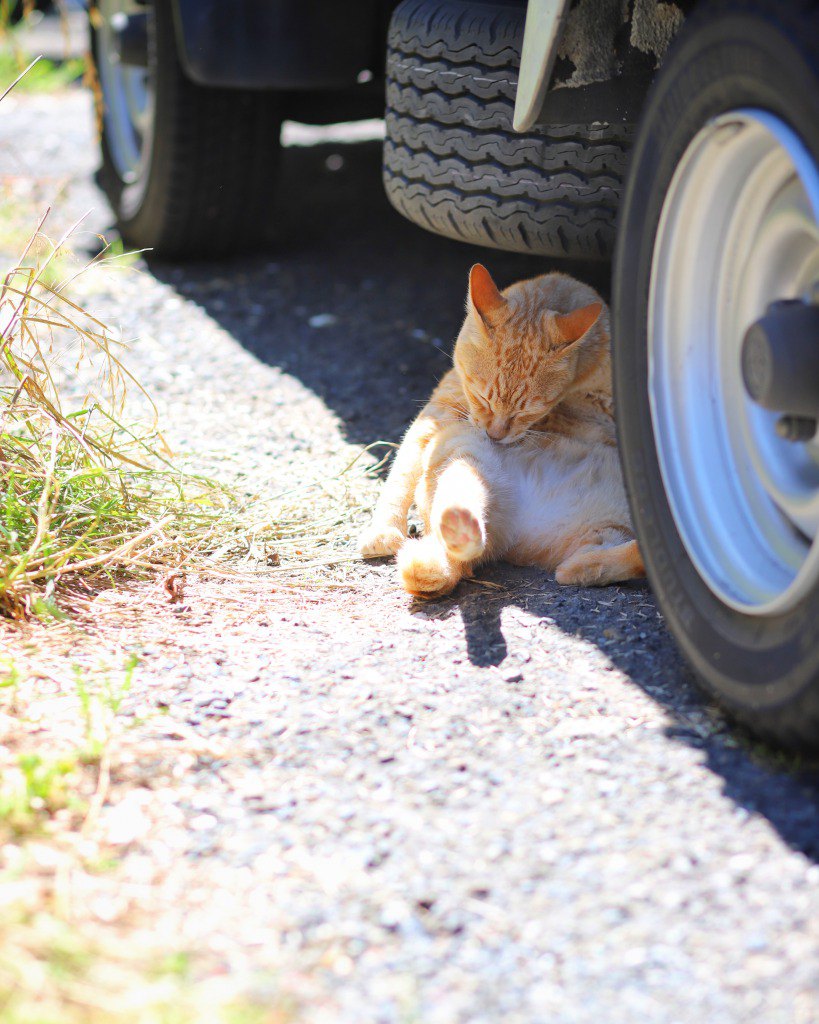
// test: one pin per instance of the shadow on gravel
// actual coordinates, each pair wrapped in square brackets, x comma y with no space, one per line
[624,623]
[389,298]
[393,292]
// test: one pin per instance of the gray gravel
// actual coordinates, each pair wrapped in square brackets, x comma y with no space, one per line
[512,805]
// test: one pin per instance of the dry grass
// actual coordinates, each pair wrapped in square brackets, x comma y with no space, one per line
[81,492]
[85,495]
[89,497]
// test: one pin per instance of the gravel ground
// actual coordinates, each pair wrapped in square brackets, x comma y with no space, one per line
[511,805]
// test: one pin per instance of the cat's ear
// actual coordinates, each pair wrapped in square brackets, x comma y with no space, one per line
[484,295]
[572,326]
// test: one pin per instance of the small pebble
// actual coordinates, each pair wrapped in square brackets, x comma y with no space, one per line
[322,320]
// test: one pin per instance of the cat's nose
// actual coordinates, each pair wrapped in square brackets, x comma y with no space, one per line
[498,429]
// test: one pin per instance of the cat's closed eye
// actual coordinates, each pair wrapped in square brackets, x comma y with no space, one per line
[480,403]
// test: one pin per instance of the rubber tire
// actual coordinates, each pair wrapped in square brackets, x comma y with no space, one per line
[758,53]
[452,162]
[208,188]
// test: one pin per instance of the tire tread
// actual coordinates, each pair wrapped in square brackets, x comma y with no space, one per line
[452,162]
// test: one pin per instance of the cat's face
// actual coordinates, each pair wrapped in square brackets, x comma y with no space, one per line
[516,360]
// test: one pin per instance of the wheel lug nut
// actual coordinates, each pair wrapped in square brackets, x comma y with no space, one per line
[796,428]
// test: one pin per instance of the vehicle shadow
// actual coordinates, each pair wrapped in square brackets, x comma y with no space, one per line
[623,622]
[390,297]
[362,307]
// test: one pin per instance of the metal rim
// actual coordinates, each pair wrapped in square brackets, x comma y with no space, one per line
[128,95]
[739,229]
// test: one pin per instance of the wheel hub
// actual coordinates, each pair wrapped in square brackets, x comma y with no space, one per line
[780,359]
[739,232]
[131,38]
[127,86]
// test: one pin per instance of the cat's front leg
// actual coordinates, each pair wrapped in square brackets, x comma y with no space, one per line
[387,531]
[380,541]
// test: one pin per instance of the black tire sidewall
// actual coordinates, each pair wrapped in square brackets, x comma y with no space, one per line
[207,186]
[736,58]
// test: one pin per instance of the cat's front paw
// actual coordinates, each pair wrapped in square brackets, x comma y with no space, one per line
[380,542]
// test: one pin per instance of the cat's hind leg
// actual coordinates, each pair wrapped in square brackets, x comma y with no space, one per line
[459,532]
[459,514]
[427,570]
[596,566]
[462,533]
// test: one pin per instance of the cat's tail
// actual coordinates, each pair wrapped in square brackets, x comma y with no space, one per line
[596,566]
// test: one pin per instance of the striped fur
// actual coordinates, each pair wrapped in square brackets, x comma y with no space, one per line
[514,457]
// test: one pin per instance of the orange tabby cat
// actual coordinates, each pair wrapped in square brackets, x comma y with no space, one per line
[514,457]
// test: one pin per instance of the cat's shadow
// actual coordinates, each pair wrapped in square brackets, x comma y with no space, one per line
[623,622]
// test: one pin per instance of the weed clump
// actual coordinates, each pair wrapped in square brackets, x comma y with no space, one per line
[82,494]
